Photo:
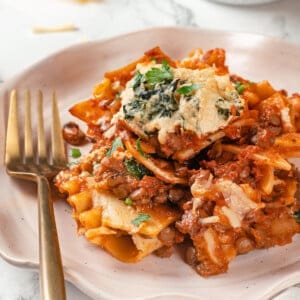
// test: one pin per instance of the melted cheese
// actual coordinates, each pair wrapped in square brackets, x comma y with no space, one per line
[236,200]
[117,234]
[197,113]
[118,216]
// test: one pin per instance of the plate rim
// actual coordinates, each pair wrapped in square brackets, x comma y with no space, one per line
[71,275]
[145,30]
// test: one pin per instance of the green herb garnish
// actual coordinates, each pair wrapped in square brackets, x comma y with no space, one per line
[188,89]
[239,86]
[135,169]
[139,148]
[137,79]
[156,75]
[115,144]
[75,153]
[297,216]
[128,201]
[140,219]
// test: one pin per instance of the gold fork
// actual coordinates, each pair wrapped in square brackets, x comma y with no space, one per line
[40,169]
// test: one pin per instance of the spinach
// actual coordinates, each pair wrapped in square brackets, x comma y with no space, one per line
[222,109]
[164,106]
[135,169]
[132,108]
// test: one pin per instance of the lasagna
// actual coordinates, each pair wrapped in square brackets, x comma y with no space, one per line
[185,152]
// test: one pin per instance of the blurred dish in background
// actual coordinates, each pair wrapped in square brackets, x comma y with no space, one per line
[244,2]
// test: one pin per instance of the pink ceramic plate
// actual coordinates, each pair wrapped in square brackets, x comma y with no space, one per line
[72,73]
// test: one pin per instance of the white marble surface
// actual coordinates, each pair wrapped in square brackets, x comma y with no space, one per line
[19,48]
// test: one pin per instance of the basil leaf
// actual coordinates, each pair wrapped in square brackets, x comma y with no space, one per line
[188,89]
[135,169]
[75,153]
[115,144]
[140,219]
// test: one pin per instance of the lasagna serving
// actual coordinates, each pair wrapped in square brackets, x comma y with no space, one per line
[185,152]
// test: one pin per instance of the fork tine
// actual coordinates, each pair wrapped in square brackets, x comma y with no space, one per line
[42,152]
[58,149]
[28,149]
[12,152]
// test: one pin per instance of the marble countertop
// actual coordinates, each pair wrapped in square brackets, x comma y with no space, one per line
[106,18]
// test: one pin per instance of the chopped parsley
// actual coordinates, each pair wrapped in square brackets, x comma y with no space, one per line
[136,81]
[297,216]
[188,89]
[75,153]
[139,148]
[156,75]
[135,169]
[128,201]
[115,144]
[239,86]
[140,219]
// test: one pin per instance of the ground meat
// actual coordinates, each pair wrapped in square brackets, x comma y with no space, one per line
[167,236]
[73,135]
[191,256]
[265,137]
[113,176]
[237,171]
[244,245]
[176,194]
[150,189]
[271,227]
[164,251]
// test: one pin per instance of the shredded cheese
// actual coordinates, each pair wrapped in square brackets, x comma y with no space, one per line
[58,28]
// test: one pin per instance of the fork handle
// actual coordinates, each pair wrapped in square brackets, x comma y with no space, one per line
[51,270]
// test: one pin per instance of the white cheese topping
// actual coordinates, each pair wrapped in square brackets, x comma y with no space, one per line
[236,200]
[205,110]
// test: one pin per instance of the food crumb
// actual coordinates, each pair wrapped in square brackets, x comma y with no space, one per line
[53,29]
